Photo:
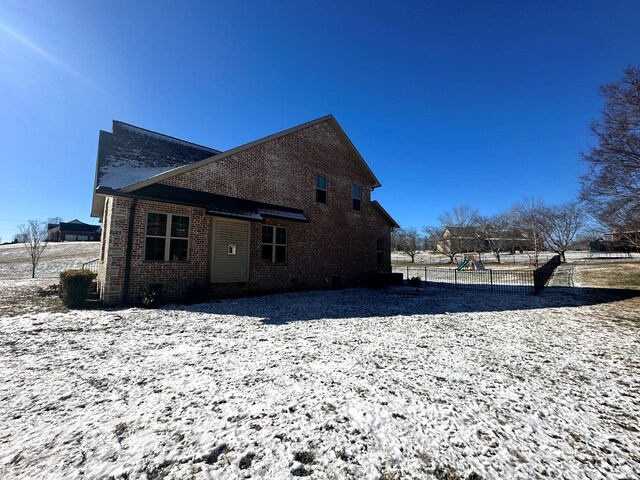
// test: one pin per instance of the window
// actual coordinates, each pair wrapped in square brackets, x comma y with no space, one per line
[380,251]
[167,237]
[321,189]
[356,194]
[274,244]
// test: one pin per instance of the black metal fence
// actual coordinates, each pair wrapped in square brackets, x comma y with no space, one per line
[520,282]
[542,275]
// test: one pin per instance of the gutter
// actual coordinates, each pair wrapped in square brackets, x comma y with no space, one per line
[127,261]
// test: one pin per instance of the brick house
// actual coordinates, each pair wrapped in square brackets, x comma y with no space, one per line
[288,211]
[73,231]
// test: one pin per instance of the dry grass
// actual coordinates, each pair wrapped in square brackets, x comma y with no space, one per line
[615,276]
[20,297]
[623,275]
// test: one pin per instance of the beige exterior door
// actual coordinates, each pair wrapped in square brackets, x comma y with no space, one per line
[229,250]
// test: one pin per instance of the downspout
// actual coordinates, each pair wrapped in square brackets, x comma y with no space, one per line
[127,261]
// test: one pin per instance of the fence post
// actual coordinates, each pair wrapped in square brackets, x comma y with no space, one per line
[407,272]
[455,278]
[425,275]
[491,279]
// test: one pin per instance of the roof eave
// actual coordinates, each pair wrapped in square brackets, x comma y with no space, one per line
[385,214]
[106,191]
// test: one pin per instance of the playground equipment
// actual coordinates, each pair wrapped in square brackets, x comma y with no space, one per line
[463,264]
[471,264]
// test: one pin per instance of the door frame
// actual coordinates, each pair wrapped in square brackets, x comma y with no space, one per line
[212,245]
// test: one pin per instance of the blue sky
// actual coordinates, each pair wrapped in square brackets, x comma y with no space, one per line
[450,102]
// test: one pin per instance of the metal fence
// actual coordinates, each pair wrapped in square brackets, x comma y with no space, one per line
[597,254]
[542,275]
[520,282]
[91,265]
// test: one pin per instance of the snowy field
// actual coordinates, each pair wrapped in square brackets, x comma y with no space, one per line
[15,261]
[517,260]
[341,384]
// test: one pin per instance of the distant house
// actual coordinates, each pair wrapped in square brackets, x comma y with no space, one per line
[626,242]
[461,239]
[627,238]
[482,239]
[288,211]
[73,231]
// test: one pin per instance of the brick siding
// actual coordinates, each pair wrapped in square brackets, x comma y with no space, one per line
[336,242]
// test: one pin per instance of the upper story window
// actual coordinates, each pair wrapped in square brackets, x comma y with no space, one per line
[322,186]
[274,244]
[167,237]
[379,251]
[357,197]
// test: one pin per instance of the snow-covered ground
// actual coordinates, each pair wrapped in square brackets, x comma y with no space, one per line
[341,384]
[15,261]
[427,258]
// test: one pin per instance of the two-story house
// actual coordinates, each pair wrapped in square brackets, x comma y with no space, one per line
[288,211]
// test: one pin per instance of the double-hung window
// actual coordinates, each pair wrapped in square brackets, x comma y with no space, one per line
[356,195]
[380,251]
[322,187]
[167,237]
[274,244]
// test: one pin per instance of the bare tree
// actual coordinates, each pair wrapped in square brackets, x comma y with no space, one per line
[563,223]
[395,238]
[611,188]
[408,241]
[460,231]
[497,233]
[34,237]
[532,217]
[430,238]
[502,233]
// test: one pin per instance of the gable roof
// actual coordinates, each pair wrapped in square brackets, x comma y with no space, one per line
[486,232]
[131,157]
[188,167]
[73,226]
[78,227]
[464,231]
[213,204]
[130,154]
[385,214]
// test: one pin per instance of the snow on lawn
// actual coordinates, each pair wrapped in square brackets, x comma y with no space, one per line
[426,258]
[343,384]
[15,261]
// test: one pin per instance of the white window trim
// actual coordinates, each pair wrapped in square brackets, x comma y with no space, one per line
[274,244]
[167,237]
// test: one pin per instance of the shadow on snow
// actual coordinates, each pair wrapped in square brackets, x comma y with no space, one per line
[285,308]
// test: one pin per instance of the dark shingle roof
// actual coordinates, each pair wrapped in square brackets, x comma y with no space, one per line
[131,154]
[78,227]
[217,205]
[464,231]
[74,226]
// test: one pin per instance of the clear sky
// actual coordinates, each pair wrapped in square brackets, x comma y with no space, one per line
[450,102]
